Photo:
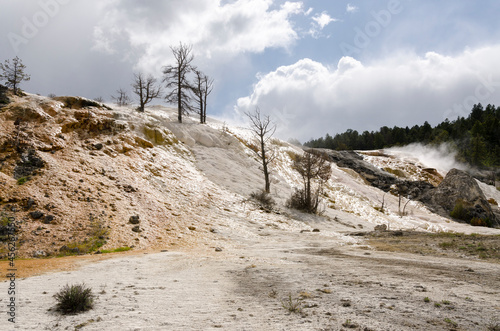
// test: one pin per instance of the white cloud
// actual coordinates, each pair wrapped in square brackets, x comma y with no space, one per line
[320,21]
[351,8]
[404,90]
[229,29]
[323,20]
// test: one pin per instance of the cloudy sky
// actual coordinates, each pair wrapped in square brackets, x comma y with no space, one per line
[314,66]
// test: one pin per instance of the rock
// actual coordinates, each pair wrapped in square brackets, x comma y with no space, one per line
[66,249]
[191,228]
[218,249]
[134,219]
[28,164]
[459,189]
[36,215]
[136,229]
[315,230]
[98,146]
[48,219]
[29,203]
[143,142]
[214,230]
[381,227]
[37,254]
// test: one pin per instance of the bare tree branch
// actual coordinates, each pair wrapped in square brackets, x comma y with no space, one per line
[146,89]
[177,81]
[122,98]
[263,128]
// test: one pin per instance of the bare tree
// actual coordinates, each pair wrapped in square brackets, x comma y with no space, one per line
[263,129]
[176,79]
[313,166]
[202,87]
[146,89]
[122,98]
[13,73]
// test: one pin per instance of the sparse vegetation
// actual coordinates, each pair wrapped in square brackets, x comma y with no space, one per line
[427,300]
[436,244]
[449,321]
[74,299]
[116,250]
[13,73]
[23,180]
[350,324]
[264,198]
[459,211]
[315,170]
[291,304]
[96,239]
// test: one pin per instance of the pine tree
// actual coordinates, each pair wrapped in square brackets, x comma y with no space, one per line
[13,73]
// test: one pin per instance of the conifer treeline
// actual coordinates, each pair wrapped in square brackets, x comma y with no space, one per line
[475,138]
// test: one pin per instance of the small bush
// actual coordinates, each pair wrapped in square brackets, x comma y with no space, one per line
[426,299]
[74,299]
[263,198]
[479,222]
[460,211]
[22,180]
[292,305]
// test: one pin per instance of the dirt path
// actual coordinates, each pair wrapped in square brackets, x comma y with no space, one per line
[254,286]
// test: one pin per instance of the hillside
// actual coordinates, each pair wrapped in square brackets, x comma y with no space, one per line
[74,173]
[82,177]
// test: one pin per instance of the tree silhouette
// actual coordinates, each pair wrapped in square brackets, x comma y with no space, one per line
[202,87]
[176,79]
[146,89]
[13,73]
[263,129]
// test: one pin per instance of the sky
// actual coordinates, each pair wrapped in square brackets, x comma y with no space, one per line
[314,67]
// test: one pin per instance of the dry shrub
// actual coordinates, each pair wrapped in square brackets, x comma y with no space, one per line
[74,299]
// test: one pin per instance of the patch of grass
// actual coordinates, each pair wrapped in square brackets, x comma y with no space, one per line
[437,304]
[116,250]
[291,304]
[426,299]
[446,244]
[23,180]
[449,321]
[446,302]
[74,299]
[96,239]
[350,324]
[471,246]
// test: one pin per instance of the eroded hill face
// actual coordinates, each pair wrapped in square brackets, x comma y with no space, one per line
[78,176]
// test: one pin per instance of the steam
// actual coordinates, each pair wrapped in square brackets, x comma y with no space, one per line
[441,157]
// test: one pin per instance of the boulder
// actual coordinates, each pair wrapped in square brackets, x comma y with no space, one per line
[459,192]
[134,219]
